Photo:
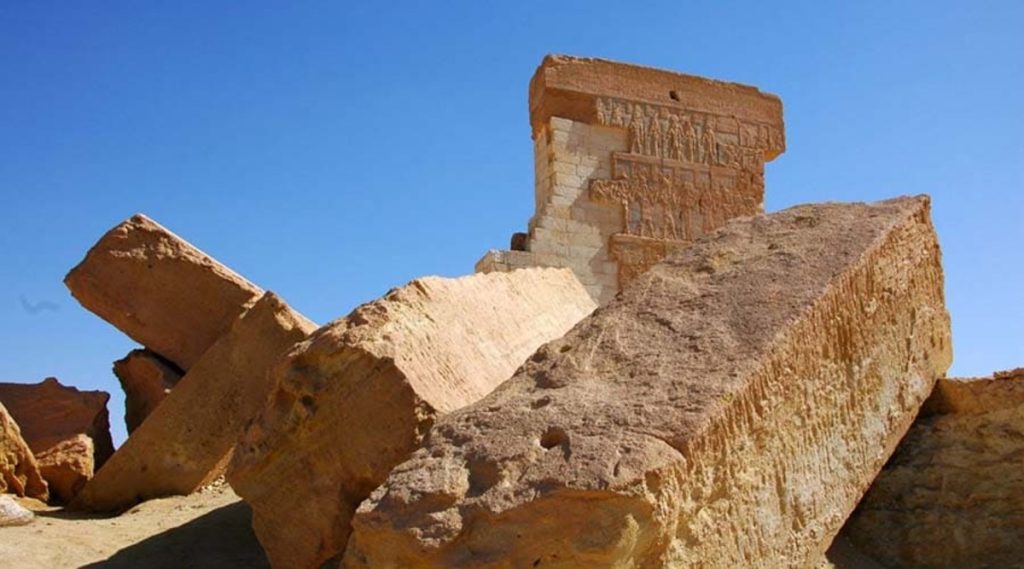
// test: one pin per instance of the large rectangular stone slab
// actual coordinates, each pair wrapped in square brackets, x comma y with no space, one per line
[359,396]
[187,440]
[568,87]
[160,290]
[953,494]
[726,410]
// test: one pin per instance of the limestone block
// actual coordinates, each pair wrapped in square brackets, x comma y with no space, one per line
[146,379]
[19,473]
[726,410]
[67,466]
[188,439]
[160,290]
[564,88]
[359,395]
[953,494]
[50,413]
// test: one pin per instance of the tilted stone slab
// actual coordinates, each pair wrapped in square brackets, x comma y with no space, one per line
[727,410]
[146,379]
[188,439]
[953,494]
[359,395]
[160,290]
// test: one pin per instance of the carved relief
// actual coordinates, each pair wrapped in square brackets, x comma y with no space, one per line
[676,201]
[685,174]
[672,134]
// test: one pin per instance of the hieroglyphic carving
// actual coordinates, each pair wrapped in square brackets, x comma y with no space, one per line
[685,173]
[671,133]
[673,200]
[637,254]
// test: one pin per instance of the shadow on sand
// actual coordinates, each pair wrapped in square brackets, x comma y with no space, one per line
[221,539]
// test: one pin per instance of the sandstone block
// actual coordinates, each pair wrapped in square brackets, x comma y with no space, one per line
[13,513]
[359,395]
[188,439]
[67,466]
[953,494]
[160,290]
[50,413]
[146,379]
[727,410]
[19,473]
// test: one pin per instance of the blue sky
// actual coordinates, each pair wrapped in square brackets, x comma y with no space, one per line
[331,151]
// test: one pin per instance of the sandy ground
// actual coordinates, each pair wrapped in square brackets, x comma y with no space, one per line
[209,529]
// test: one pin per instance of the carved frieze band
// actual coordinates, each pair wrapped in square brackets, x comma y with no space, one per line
[689,136]
[665,199]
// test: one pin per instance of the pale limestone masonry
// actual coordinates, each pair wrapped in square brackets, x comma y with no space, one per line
[632,163]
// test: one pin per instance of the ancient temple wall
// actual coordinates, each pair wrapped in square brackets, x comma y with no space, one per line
[635,163]
[568,228]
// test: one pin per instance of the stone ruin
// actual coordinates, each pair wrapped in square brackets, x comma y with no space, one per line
[739,399]
[632,164]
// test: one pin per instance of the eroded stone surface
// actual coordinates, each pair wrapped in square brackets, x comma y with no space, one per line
[13,513]
[160,290]
[632,163]
[19,473]
[188,439]
[727,410]
[359,395]
[953,494]
[146,379]
[50,413]
[67,466]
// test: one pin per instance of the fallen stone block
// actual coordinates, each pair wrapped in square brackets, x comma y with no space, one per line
[146,379]
[160,290]
[359,396]
[19,473]
[50,413]
[188,439]
[727,410]
[953,494]
[13,513]
[67,466]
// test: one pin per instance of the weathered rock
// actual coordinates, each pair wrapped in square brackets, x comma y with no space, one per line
[953,494]
[727,410]
[13,513]
[50,413]
[67,466]
[359,395]
[160,290]
[19,473]
[188,440]
[146,379]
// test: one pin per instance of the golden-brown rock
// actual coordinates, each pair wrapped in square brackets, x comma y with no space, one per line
[50,413]
[726,410]
[146,379]
[187,441]
[160,290]
[67,466]
[953,494]
[19,473]
[359,395]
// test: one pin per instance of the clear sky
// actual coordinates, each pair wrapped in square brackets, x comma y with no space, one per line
[332,150]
